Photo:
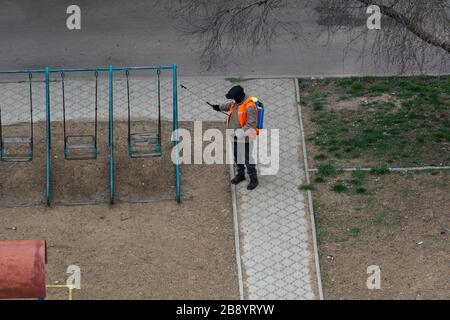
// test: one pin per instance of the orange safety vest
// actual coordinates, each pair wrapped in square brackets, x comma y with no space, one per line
[242,111]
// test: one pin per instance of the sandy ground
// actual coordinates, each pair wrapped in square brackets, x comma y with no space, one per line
[402,225]
[142,251]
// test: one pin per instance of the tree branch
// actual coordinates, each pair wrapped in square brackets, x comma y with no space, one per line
[411,25]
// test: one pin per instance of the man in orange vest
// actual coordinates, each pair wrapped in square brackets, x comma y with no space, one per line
[242,118]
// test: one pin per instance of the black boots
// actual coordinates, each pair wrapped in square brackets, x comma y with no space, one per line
[251,170]
[253,183]
[253,177]
[238,178]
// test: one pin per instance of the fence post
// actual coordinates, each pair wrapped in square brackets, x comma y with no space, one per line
[175,133]
[48,173]
[111,139]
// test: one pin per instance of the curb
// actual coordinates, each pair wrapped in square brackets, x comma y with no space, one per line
[310,202]
[237,240]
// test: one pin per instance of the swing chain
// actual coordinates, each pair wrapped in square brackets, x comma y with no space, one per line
[64,107]
[30,77]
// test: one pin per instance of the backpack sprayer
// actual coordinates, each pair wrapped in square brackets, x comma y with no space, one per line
[259,107]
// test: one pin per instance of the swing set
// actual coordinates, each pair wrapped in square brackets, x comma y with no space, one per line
[18,148]
[144,144]
[79,147]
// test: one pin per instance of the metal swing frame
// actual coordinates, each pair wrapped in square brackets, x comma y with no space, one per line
[89,148]
[112,165]
[19,140]
[143,144]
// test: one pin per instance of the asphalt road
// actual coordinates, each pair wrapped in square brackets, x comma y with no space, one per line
[33,33]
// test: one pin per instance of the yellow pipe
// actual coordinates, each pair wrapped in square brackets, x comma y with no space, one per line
[57,286]
[63,286]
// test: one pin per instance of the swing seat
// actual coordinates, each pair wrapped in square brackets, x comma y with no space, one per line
[144,145]
[17,149]
[81,147]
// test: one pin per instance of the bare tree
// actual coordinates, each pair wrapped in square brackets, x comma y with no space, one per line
[224,27]
[414,34]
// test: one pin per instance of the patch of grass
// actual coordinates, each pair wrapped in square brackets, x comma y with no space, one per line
[316,99]
[358,174]
[356,182]
[356,90]
[346,82]
[306,187]
[320,157]
[234,80]
[304,84]
[378,171]
[358,178]
[319,179]
[339,187]
[408,129]
[361,190]
[355,232]
[327,170]
[378,88]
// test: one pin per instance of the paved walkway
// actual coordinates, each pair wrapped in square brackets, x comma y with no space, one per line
[276,244]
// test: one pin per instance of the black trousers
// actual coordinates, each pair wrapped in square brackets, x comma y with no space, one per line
[243,158]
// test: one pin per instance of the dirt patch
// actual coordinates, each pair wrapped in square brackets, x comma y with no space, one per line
[401,224]
[355,103]
[76,181]
[162,250]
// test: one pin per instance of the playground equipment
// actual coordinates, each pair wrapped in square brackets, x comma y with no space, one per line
[18,148]
[79,147]
[144,144]
[23,270]
[141,144]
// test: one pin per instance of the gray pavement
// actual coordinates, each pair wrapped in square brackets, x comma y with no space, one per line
[138,32]
[277,256]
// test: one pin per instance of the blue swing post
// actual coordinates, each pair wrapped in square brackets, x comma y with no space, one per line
[48,141]
[175,132]
[112,187]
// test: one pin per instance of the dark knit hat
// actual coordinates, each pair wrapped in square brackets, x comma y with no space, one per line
[236,93]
